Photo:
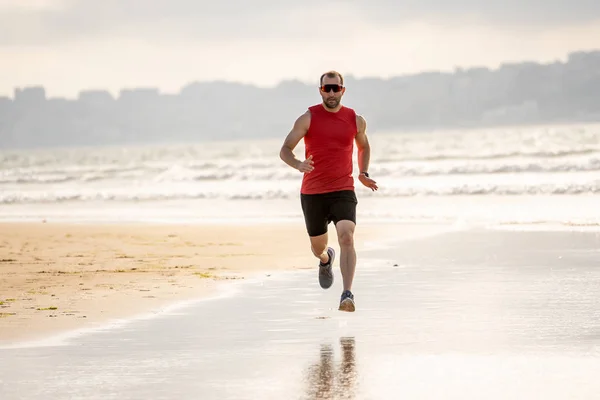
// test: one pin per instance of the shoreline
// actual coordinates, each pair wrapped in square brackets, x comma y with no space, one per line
[64,276]
[60,336]
[57,278]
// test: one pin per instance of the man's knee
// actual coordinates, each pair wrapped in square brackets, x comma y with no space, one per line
[346,238]
[345,233]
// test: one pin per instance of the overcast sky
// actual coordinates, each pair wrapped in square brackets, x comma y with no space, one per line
[69,45]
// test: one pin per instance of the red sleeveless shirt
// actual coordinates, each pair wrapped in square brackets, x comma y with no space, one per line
[330,140]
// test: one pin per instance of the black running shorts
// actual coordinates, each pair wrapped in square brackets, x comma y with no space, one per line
[321,209]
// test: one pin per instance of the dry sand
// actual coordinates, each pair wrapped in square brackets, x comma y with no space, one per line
[57,277]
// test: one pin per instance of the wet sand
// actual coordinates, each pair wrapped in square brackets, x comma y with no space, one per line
[462,315]
[59,277]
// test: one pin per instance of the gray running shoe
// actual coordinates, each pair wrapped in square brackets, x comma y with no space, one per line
[326,270]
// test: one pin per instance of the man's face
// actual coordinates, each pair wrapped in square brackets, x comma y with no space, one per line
[331,91]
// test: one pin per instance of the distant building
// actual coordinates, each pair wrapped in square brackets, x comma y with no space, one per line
[582,59]
[30,96]
[5,102]
[139,95]
[95,97]
[5,108]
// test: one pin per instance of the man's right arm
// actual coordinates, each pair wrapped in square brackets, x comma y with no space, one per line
[298,131]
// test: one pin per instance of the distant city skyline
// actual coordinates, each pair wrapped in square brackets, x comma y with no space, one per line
[515,94]
[70,46]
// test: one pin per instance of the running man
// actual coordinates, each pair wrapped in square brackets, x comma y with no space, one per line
[327,193]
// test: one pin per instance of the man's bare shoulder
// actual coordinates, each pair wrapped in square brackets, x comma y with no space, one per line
[306,116]
[361,123]
[303,121]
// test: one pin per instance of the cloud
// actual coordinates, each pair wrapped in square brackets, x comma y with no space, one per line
[536,12]
[72,20]
[205,20]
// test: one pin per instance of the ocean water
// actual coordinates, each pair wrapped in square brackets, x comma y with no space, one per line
[529,175]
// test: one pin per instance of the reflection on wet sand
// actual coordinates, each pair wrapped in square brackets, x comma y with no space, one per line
[326,381]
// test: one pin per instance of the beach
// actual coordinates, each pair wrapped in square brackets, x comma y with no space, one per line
[56,277]
[458,314]
[65,276]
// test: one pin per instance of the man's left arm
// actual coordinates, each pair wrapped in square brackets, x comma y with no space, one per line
[364,153]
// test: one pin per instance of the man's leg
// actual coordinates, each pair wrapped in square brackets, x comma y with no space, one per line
[344,216]
[345,233]
[315,217]
[318,246]
[326,256]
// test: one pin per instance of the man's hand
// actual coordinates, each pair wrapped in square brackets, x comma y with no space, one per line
[306,166]
[368,182]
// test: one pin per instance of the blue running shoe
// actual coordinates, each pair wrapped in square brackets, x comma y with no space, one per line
[347,302]
[326,270]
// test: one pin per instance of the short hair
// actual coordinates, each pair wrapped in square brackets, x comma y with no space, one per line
[331,74]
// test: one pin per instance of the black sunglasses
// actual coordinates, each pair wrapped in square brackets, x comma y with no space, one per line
[335,87]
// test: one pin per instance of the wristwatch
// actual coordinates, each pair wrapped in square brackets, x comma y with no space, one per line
[365,173]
